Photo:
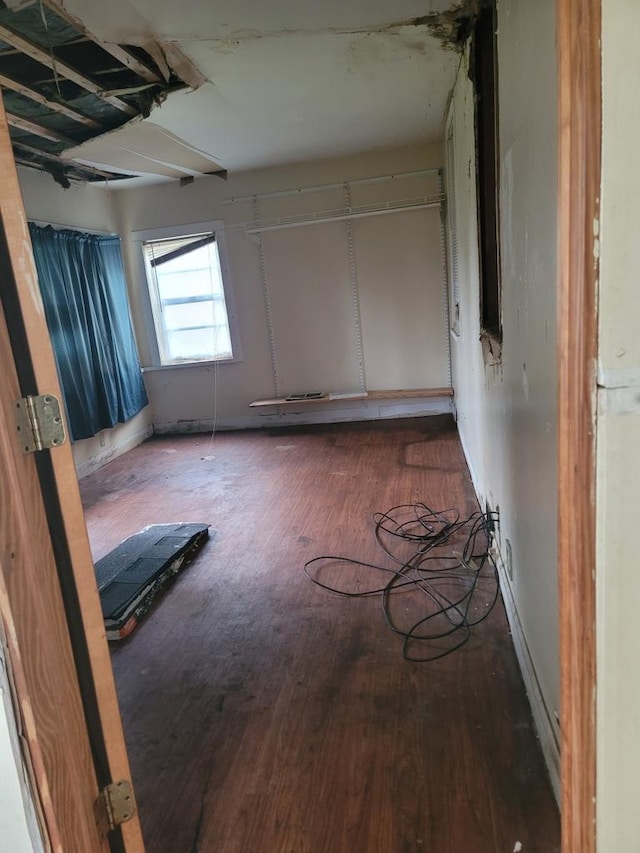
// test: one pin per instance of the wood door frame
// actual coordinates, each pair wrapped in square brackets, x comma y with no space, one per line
[60,633]
[579,132]
[579,178]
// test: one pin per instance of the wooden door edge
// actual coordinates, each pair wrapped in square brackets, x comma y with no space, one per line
[579,175]
[63,490]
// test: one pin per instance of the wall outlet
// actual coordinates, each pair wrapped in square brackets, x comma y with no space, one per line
[508,558]
[102,439]
[493,517]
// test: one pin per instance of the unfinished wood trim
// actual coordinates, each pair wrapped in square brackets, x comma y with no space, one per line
[64,481]
[54,106]
[412,393]
[37,129]
[44,58]
[579,163]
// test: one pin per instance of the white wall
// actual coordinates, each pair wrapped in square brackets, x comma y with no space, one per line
[309,278]
[83,206]
[618,437]
[507,412]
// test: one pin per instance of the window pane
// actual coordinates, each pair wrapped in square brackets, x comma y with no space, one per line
[222,341]
[199,343]
[197,272]
[179,284]
[220,313]
[180,322]
[189,314]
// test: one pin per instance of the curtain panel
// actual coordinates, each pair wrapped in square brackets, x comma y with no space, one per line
[84,292]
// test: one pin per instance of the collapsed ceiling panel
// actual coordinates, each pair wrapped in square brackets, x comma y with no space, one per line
[148,148]
[62,86]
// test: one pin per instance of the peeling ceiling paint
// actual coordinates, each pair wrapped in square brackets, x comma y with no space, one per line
[133,21]
[278,82]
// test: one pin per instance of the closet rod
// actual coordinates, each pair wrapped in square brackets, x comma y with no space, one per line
[319,220]
[337,186]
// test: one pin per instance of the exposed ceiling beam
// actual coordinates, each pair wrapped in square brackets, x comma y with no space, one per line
[45,58]
[38,129]
[23,161]
[133,63]
[55,106]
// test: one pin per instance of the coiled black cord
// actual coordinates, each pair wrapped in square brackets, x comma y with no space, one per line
[449,564]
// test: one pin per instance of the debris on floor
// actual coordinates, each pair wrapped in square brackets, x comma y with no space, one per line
[131,576]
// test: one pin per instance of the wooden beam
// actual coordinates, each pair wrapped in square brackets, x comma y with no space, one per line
[38,129]
[579,165]
[132,62]
[54,106]
[44,58]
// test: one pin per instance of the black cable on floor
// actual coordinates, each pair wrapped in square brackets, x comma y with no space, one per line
[448,563]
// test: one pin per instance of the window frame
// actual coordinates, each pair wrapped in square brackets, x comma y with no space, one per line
[452,235]
[485,80]
[176,232]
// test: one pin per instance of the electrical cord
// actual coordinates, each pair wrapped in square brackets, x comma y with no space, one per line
[449,564]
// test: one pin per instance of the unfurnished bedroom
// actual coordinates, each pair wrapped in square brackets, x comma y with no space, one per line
[289,269]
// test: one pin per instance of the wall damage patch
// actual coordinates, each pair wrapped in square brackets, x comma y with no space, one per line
[452,27]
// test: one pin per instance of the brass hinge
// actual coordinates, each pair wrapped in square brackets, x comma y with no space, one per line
[39,423]
[115,805]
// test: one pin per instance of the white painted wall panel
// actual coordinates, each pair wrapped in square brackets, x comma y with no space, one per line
[618,436]
[313,324]
[619,241]
[618,589]
[507,412]
[402,304]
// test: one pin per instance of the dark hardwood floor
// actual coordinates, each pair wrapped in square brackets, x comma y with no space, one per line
[266,715]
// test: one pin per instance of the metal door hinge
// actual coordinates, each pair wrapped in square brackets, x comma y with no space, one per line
[39,423]
[115,805]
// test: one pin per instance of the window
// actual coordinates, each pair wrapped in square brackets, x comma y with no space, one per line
[485,78]
[188,298]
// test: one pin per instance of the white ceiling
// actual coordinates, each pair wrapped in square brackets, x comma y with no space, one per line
[286,80]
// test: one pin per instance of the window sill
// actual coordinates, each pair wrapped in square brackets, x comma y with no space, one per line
[181,365]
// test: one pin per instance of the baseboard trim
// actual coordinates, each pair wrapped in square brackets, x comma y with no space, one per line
[361,412]
[107,454]
[542,719]
[469,461]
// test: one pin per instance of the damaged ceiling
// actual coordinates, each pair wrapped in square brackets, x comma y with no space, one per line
[164,89]
[62,86]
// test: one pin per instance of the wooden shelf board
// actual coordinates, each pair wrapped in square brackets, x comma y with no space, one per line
[369,395]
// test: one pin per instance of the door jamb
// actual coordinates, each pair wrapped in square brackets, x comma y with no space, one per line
[579,175]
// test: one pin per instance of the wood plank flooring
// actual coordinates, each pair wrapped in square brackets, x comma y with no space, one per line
[266,715]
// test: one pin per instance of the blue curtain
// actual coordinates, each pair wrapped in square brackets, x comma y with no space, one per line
[85,301]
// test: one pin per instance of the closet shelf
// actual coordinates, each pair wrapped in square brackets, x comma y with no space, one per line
[337,397]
